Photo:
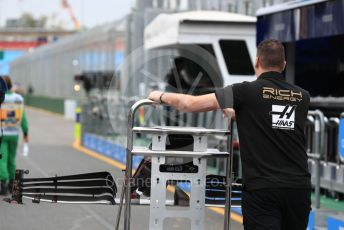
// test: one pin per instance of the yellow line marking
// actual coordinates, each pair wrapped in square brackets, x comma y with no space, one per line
[98,156]
[77,146]
[234,216]
[171,188]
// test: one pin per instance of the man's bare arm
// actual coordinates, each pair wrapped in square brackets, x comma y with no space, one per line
[187,103]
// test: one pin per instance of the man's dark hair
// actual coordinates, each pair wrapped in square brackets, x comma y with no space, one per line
[8,82]
[271,54]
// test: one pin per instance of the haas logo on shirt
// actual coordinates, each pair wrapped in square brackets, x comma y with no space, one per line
[283,116]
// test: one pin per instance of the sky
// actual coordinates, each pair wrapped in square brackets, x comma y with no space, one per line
[88,12]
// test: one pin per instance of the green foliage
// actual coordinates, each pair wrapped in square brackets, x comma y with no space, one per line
[29,21]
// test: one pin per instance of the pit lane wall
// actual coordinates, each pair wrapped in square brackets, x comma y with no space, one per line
[108,148]
[57,105]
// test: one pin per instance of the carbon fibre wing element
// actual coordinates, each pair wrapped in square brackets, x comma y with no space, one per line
[88,188]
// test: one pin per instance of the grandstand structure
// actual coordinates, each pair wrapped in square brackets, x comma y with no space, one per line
[15,42]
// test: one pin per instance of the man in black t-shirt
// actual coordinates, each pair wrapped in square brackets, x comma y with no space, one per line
[271,115]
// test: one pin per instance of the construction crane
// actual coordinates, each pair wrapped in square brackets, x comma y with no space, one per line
[65,4]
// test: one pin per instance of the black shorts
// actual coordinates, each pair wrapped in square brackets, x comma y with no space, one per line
[276,209]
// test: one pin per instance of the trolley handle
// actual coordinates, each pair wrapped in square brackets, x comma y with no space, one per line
[135,107]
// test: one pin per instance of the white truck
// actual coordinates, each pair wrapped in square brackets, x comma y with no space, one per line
[228,38]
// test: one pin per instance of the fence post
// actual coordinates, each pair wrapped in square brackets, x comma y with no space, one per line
[341,138]
[77,127]
[318,152]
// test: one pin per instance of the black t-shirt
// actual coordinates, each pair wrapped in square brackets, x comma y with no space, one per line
[270,115]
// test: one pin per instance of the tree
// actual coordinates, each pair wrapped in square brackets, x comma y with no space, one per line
[27,20]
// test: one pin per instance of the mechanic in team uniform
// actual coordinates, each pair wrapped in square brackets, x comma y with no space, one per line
[13,117]
[271,116]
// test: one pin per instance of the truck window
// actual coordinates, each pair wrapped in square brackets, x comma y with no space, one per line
[237,58]
[209,48]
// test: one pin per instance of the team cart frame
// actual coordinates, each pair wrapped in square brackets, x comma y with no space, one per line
[100,187]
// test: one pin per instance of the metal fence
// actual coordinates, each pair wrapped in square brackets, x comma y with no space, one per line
[322,143]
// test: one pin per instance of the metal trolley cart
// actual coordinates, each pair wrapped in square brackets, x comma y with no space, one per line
[159,178]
